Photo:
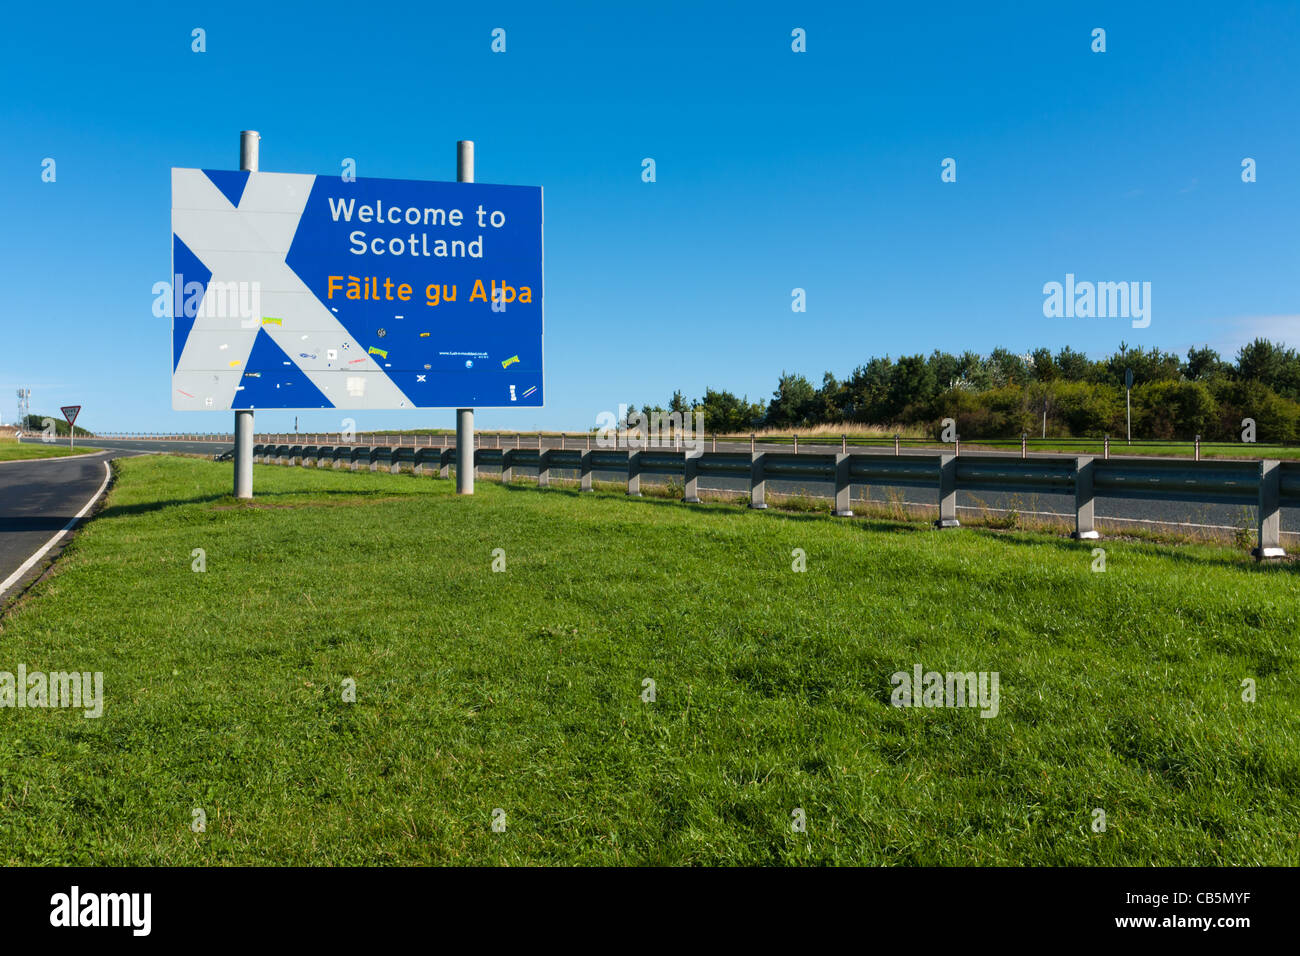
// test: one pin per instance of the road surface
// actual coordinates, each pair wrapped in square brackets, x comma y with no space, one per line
[41,502]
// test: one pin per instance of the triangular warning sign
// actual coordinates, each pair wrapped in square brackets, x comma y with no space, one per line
[70,412]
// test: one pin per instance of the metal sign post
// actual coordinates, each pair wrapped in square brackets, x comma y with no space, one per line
[465,416]
[248,143]
[70,413]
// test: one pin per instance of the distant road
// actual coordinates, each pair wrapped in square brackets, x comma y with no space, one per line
[147,445]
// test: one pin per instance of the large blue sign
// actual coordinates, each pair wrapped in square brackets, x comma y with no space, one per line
[295,291]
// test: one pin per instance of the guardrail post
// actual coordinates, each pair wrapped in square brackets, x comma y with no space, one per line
[634,473]
[1270,514]
[544,465]
[843,508]
[1083,499]
[692,491]
[896,445]
[1024,445]
[947,492]
[757,481]
[1106,448]
[1198,449]
[584,470]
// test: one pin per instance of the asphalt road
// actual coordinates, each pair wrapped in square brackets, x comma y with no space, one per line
[39,500]
[146,445]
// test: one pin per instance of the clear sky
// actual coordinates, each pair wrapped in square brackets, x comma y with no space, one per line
[775,170]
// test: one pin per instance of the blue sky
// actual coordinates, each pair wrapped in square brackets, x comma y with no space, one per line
[775,170]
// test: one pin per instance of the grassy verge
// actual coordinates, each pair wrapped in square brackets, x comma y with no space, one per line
[522,690]
[16,451]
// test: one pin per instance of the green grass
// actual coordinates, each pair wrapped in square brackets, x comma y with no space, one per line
[15,451]
[522,690]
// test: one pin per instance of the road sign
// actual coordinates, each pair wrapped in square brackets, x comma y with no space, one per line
[70,413]
[299,291]
[1128,378]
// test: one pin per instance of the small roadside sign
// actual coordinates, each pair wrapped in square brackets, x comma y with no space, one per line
[1128,378]
[70,413]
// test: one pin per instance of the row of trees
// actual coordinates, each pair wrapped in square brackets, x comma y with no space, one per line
[35,424]
[1003,394]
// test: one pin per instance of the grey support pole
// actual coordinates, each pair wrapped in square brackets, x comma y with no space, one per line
[465,416]
[585,470]
[243,454]
[464,451]
[248,142]
[1270,515]
[947,492]
[1083,499]
[544,468]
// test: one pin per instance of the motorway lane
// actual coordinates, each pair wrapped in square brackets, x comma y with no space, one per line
[39,499]
[147,445]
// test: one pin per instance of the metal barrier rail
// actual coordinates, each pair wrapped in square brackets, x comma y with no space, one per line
[1269,484]
[584,440]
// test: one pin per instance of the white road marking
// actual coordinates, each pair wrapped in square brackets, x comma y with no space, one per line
[13,579]
[28,461]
